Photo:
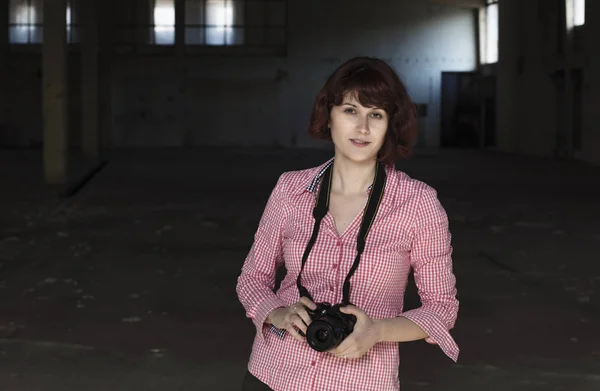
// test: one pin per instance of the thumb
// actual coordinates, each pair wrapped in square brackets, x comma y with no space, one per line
[350,309]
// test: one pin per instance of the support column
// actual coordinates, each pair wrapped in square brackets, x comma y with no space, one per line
[55,99]
[180,27]
[89,80]
[144,14]
[4,67]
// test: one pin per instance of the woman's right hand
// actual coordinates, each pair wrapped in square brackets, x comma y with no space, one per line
[293,318]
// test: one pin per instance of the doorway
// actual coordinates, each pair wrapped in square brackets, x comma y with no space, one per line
[461,110]
[568,125]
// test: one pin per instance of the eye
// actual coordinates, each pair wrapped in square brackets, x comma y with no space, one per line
[378,115]
[349,111]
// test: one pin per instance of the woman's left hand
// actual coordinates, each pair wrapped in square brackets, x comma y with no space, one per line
[362,339]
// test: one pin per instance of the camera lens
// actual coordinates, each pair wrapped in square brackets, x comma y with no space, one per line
[321,336]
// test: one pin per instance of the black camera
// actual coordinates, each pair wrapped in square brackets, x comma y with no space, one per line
[329,326]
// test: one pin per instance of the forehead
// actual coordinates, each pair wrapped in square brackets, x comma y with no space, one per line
[353,98]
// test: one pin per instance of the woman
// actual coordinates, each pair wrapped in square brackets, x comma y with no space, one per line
[365,110]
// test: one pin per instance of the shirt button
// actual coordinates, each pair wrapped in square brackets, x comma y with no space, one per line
[331,288]
[313,363]
[338,243]
[334,266]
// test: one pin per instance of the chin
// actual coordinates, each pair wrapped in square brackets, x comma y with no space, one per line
[360,158]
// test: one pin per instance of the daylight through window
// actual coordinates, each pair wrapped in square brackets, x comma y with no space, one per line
[578,12]
[164,22]
[235,22]
[26,22]
[489,32]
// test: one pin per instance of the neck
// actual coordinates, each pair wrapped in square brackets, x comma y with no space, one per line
[350,178]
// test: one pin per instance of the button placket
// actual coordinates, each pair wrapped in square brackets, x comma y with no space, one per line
[336,266]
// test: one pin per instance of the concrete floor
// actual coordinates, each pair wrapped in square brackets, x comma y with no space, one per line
[130,284]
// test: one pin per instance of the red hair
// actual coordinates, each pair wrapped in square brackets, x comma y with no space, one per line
[375,84]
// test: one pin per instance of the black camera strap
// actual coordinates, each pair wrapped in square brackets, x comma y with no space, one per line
[319,212]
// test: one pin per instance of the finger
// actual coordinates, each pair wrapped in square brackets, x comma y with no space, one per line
[295,334]
[299,323]
[430,340]
[354,355]
[296,308]
[308,302]
[347,354]
[304,316]
[345,347]
[336,351]
[350,309]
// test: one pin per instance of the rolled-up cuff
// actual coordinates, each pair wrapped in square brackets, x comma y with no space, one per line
[278,332]
[431,324]
[263,311]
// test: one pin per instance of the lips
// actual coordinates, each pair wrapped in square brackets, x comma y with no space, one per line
[359,143]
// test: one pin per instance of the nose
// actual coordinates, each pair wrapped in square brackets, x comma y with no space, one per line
[363,125]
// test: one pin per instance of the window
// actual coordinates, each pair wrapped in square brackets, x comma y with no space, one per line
[164,22]
[489,32]
[72,22]
[575,13]
[235,22]
[142,22]
[26,22]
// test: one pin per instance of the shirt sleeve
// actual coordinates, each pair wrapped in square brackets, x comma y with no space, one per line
[431,259]
[257,279]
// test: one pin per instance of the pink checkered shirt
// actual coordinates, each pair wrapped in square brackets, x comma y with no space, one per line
[410,230]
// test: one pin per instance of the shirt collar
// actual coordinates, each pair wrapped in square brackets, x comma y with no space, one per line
[313,185]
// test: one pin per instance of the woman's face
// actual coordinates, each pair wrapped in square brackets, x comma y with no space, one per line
[358,132]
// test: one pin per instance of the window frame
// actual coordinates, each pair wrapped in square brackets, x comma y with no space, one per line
[484,33]
[117,44]
[73,27]
[265,26]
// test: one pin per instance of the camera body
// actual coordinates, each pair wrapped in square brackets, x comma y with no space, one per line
[329,326]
